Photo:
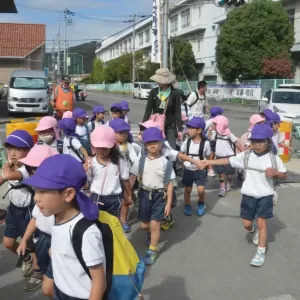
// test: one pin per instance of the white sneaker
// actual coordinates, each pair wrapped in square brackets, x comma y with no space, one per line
[211,173]
[255,238]
[258,260]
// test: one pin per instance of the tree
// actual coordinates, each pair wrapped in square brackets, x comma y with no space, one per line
[184,62]
[253,32]
[97,74]
[148,69]
[277,67]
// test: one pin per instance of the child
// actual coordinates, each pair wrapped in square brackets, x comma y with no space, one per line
[157,176]
[121,129]
[125,111]
[198,148]
[116,111]
[214,112]
[97,118]
[261,167]
[57,192]
[82,129]
[184,119]
[31,162]
[48,133]
[226,143]
[108,172]
[71,143]
[18,144]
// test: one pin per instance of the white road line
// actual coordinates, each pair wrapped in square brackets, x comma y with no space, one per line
[144,102]
[281,297]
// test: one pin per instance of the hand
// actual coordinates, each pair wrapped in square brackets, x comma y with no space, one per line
[179,136]
[167,210]
[200,164]
[210,129]
[87,164]
[128,200]
[270,172]
[21,250]
[290,148]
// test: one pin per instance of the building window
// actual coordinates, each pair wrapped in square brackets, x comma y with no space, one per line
[147,55]
[291,14]
[199,11]
[117,49]
[141,40]
[121,49]
[110,53]
[147,36]
[199,45]
[174,24]
[185,19]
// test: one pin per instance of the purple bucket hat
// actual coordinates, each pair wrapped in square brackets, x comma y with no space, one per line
[215,111]
[79,113]
[96,110]
[276,118]
[196,122]
[261,132]
[117,106]
[68,126]
[119,124]
[125,105]
[69,173]
[20,139]
[152,134]
[268,114]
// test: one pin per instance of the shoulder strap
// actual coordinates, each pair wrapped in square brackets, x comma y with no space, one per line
[273,160]
[168,172]
[107,239]
[60,146]
[197,98]
[201,148]
[188,144]
[142,165]
[40,143]
[18,187]
[75,151]
[93,125]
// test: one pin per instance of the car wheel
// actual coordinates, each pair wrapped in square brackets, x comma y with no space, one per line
[140,97]
[133,96]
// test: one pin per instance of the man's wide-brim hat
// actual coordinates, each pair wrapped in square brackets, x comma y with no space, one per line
[163,76]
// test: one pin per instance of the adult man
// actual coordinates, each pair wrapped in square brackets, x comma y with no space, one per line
[62,97]
[197,101]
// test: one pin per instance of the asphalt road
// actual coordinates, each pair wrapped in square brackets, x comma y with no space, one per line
[202,258]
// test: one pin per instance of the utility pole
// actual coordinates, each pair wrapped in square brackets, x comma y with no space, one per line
[65,45]
[171,56]
[53,61]
[165,33]
[133,48]
[58,53]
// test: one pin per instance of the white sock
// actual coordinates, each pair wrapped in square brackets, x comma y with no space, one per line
[261,250]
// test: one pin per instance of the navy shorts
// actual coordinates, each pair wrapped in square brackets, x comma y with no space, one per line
[212,146]
[189,177]
[224,169]
[111,203]
[42,247]
[252,208]
[151,209]
[59,295]
[17,220]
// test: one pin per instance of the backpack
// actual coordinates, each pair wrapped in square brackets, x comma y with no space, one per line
[124,270]
[201,149]
[274,166]
[77,152]
[86,144]
[232,145]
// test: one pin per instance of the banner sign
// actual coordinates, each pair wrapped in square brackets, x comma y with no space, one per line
[241,91]
[156,33]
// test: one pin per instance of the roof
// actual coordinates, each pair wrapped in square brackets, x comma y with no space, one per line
[19,40]
[29,73]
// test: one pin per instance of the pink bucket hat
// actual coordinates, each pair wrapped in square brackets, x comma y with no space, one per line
[221,125]
[37,155]
[184,118]
[254,119]
[103,137]
[149,123]
[67,115]
[48,123]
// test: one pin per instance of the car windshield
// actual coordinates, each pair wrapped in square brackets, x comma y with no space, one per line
[285,97]
[146,86]
[28,83]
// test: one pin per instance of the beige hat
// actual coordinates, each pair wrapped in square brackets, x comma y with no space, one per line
[163,76]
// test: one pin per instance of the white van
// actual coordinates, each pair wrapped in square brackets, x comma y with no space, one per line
[141,90]
[28,92]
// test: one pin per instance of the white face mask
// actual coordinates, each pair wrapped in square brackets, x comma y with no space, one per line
[48,139]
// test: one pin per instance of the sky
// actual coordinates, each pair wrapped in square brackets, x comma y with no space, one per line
[93,19]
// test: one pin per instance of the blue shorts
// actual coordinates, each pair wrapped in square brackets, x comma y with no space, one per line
[224,169]
[59,295]
[151,209]
[17,220]
[111,203]
[189,177]
[252,208]
[212,146]
[42,247]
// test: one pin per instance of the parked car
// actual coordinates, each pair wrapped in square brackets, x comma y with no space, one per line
[28,92]
[141,90]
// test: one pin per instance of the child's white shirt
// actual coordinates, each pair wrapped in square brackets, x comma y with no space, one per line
[223,147]
[67,147]
[109,177]
[194,150]
[82,131]
[154,170]
[43,223]
[69,276]
[19,197]
[90,125]
[256,184]
[277,139]
[208,123]
[129,154]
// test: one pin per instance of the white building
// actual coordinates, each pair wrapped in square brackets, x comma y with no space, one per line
[196,21]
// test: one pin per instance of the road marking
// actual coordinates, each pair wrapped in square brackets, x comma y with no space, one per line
[144,102]
[281,297]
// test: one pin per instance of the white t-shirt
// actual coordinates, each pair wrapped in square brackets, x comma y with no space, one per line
[256,184]
[197,108]
[90,125]
[277,139]
[82,131]
[194,150]
[224,145]
[69,276]
[208,124]
[67,147]
[107,177]
[129,154]
[43,223]
[154,170]
[19,197]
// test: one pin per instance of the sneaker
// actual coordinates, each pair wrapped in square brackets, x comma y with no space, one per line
[187,210]
[255,238]
[150,257]
[148,239]
[201,209]
[27,267]
[258,259]
[167,224]
[222,193]
[211,173]
[126,227]
[228,187]
[34,281]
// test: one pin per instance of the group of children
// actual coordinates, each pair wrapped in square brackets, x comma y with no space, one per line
[99,166]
